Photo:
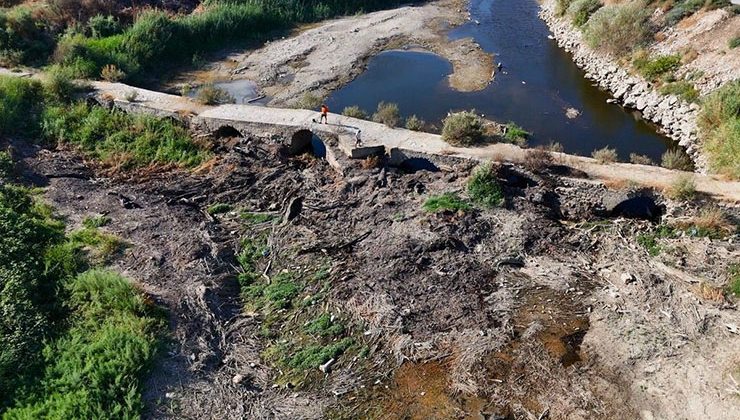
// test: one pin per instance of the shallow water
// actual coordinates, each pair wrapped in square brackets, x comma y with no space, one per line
[243,91]
[537,85]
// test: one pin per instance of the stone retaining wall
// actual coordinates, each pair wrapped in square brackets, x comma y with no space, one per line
[676,117]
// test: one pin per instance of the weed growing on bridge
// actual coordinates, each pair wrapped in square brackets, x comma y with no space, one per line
[355,111]
[388,114]
[676,159]
[605,155]
[683,188]
[463,129]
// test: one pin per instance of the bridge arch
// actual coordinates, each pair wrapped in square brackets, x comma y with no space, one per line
[300,142]
[227,131]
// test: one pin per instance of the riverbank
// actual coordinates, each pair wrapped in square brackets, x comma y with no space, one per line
[324,57]
[676,117]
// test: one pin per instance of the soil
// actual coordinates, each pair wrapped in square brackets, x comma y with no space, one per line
[323,57]
[520,311]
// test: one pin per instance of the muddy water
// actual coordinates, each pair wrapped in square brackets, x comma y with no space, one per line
[536,87]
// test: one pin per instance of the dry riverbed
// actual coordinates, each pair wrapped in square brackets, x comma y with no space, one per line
[323,57]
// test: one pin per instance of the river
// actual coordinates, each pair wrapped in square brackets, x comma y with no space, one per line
[537,85]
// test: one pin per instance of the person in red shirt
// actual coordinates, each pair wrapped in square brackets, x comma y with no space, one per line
[324,114]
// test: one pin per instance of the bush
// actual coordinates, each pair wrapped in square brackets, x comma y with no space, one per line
[309,100]
[719,124]
[483,187]
[59,86]
[446,202]
[652,68]
[683,188]
[605,155]
[581,10]
[131,95]
[463,129]
[20,105]
[219,208]
[111,73]
[618,28]
[414,123]
[538,159]
[388,114]
[209,94]
[676,159]
[95,369]
[683,89]
[100,26]
[516,135]
[120,140]
[640,159]
[354,112]
[682,9]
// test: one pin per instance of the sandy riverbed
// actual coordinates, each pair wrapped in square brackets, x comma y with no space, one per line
[326,56]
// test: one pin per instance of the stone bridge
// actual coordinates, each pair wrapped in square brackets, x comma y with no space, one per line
[298,128]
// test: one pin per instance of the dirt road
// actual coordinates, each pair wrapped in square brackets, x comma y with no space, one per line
[322,58]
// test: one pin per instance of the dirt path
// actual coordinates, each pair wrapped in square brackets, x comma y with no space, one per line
[328,55]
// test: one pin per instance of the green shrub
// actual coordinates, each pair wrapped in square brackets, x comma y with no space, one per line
[388,114]
[682,9]
[463,129]
[209,94]
[111,73]
[683,89]
[561,6]
[515,134]
[676,159]
[309,100]
[23,39]
[640,159]
[581,10]
[100,26]
[354,112]
[652,68]
[414,123]
[219,208]
[323,326]
[257,218]
[719,125]
[95,369]
[683,188]
[313,356]
[446,202]
[121,140]
[20,105]
[7,167]
[618,28]
[605,155]
[734,42]
[483,187]
[103,245]
[733,285]
[96,221]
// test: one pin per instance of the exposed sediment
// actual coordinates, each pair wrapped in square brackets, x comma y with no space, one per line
[676,118]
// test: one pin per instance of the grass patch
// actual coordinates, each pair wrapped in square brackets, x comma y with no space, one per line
[324,326]
[719,124]
[311,357]
[257,218]
[463,129]
[93,222]
[446,202]
[733,284]
[120,140]
[483,187]
[95,368]
[219,208]
[516,135]
[653,68]
[104,246]
[734,43]
[683,89]
[649,240]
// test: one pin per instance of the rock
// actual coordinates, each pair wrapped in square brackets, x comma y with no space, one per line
[326,367]
[628,278]
[237,379]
